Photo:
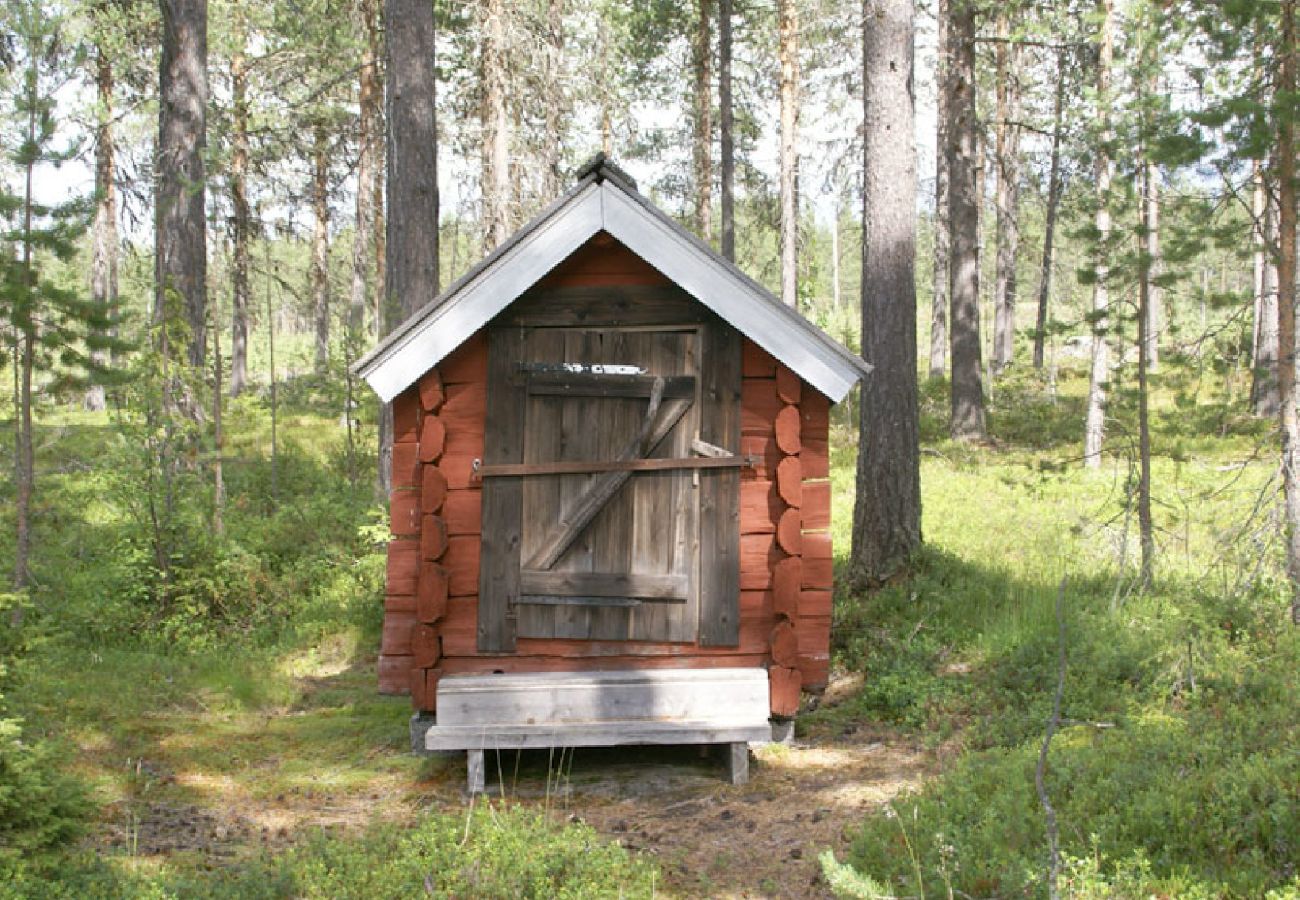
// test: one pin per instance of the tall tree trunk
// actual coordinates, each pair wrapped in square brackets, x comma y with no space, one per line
[1259,258]
[1053,205]
[557,103]
[967,422]
[1146,296]
[363,234]
[726,124]
[788,50]
[241,226]
[381,217]
[942,274]
[1263,389]
[378,210]
[218,437]
[605,93]
[887,510]
[1094,427]
[496,128]
[702,116]
[1151,343]
[103,240]
[1286,277]
[835,254]
[26,317]
[320,246]
[411,261]
[180,235]
[1008,197]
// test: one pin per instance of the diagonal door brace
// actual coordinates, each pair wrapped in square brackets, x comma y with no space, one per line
[660,419]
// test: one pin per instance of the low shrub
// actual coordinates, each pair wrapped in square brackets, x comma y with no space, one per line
[1199,801]
[41,807]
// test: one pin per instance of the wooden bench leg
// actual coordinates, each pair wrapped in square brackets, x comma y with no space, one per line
[474,766]
[738,763]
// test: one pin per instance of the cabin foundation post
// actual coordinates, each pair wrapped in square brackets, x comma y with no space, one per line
[737,762]
[476,781]
[421,722]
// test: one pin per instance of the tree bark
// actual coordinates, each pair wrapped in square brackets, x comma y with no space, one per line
[788,51]
[241,226]
[967,421]
[103,239]
[363,235]
[726,125]
[942,275]
[1286,277]
[320,246]
[180,223]
[25,317]
[1146,295]
[887,511]
[1008,198]
[411,263]
[1053,205]
[606,99]
[496,128]
[557,104]
[1151,343]
[1094,427]
[411,260]
[835,253]
[703,120]
[218,439]
[378,209]
[1263,389]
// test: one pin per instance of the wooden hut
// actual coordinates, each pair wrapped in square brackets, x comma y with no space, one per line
[610,504]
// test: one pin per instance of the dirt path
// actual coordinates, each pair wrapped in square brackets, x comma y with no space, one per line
[761,840]
[709,839]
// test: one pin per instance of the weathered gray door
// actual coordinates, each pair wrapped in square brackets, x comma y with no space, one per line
[605,555]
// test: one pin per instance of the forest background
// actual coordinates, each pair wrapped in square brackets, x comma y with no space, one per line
[1095,374]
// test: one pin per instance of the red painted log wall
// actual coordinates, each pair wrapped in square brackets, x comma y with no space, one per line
[784,525]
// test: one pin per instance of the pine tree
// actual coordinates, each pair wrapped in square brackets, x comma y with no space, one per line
[57,332]
[180,232]
[887,510]
[967,418]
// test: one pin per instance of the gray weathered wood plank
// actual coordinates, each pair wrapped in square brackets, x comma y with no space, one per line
[604,584]
[585,384]
[606,307]
[597,466]
[611,734]
[607,484]
[503,442]
[719,548]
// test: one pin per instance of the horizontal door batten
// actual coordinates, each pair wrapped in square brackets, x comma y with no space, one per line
[591,384]
[603,584]
[581,467]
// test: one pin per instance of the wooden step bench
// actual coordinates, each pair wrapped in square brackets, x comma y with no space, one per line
[477,713]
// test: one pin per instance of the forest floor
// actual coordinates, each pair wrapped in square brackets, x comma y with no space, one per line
[244,720]
[202,787]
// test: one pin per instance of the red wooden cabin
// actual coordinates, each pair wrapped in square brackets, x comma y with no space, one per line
[610,455]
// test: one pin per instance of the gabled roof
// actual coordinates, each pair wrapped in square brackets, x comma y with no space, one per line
[606,199]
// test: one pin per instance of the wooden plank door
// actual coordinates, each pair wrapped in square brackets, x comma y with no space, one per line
[607,555]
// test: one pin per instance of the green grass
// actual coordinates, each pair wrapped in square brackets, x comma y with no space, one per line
[238,695]
[1175,773]
[246,684]
[490,851]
